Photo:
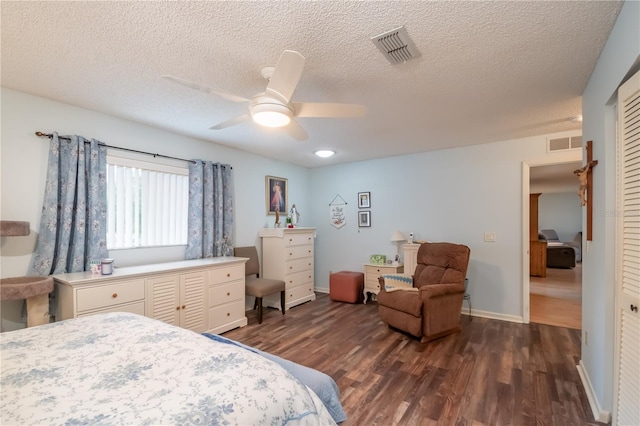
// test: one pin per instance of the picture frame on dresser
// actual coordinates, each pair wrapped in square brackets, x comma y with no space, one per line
[364,219]
[276,194]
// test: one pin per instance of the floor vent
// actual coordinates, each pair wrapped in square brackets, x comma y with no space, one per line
[396,45]
[564,144]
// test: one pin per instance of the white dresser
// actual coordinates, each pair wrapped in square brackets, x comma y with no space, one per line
[200,295]
[287,254]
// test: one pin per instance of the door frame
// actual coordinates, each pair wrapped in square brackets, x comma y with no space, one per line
[570,156]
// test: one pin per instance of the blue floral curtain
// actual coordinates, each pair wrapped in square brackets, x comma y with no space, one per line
[74,212]
[210,232]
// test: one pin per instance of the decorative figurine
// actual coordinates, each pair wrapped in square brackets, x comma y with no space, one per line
[277,223]
[295,216]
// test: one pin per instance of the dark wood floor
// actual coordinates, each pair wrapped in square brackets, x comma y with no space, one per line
[492,373]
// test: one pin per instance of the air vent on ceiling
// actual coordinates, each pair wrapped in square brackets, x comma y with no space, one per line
[396,45]
[564,144]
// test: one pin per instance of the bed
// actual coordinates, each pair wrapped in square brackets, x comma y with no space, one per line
[121,368]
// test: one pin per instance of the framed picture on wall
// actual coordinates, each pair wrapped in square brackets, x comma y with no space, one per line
[364,200]
[364,219]
[276,193]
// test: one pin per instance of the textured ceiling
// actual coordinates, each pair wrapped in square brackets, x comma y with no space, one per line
[488,70]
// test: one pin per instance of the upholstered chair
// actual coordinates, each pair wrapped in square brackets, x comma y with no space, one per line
[429,306]
[256,286]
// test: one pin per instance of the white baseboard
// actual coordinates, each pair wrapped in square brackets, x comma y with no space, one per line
[492,315]
[598,413]
[321,289]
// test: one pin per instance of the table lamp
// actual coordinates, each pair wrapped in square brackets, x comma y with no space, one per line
[397,237]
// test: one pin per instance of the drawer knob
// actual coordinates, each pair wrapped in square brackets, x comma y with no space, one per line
[290,281]
[228,293]
[228,314]
[114,295]
[228,275]
[183,306]
[177,308]
[290,267]
[290,254]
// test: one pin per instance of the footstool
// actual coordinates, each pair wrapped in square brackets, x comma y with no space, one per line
[346,286]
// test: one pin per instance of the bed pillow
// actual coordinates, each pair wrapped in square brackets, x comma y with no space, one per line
[395,282]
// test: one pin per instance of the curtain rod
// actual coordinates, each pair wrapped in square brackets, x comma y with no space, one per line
[50,135]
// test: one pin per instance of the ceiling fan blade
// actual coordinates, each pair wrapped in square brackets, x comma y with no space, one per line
[286,74]
[296,131]
[205,89]
[310,109]
[232,122]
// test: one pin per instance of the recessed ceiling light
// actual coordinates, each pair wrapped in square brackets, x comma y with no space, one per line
[324,153]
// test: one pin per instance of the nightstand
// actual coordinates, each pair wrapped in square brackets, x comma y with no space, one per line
[372,272]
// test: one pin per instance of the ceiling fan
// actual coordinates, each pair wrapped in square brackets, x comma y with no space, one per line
[273,107]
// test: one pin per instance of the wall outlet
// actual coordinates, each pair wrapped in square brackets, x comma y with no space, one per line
[490,237]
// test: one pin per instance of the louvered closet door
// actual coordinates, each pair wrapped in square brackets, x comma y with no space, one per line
[627,410]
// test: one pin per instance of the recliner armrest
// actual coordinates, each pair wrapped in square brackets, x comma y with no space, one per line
[436,290]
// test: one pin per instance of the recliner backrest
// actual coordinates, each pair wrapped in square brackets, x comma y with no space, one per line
[441,263]
[252,267]
[548,235]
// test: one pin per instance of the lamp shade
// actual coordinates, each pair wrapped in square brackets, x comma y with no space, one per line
[397,236]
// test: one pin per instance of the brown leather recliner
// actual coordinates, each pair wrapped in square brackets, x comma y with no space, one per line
[434,310]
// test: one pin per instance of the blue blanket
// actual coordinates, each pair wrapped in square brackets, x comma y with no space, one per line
[323,385]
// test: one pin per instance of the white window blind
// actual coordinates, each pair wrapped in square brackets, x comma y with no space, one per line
[147,204]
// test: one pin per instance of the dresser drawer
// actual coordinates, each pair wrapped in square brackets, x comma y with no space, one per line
[223,275]
[298,265]
[132,308]
[298,252]
[220,315]
[380,270]
[298,239]
[221,294]
[372,284]
[109,295]
[299,278]
[299,292]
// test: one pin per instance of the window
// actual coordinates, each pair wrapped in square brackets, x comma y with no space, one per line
[147,204]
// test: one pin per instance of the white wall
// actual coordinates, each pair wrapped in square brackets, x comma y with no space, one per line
[560,211]
[453,195]
[620,53]
[24,166]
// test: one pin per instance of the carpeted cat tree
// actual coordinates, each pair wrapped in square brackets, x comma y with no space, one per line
[34,289]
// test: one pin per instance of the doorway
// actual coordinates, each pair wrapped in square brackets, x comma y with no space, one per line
[556,298]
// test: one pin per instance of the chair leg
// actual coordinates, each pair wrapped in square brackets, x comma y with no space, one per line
[255,303]
[259,302]
[282,297]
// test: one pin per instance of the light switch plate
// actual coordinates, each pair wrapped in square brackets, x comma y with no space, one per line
[490,237]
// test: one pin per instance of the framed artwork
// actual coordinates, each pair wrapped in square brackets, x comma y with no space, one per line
[276,194]
[364,219]
[364,200]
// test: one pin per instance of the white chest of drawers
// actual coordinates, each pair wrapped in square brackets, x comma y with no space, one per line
[371,274]
[200,295]
[287,254]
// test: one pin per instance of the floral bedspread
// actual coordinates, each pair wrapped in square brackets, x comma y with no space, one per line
[121,368]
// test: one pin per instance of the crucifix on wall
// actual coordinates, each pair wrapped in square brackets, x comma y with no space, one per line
[586,186]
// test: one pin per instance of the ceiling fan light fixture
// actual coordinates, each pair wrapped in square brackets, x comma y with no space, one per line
[324,153]
[271,115]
